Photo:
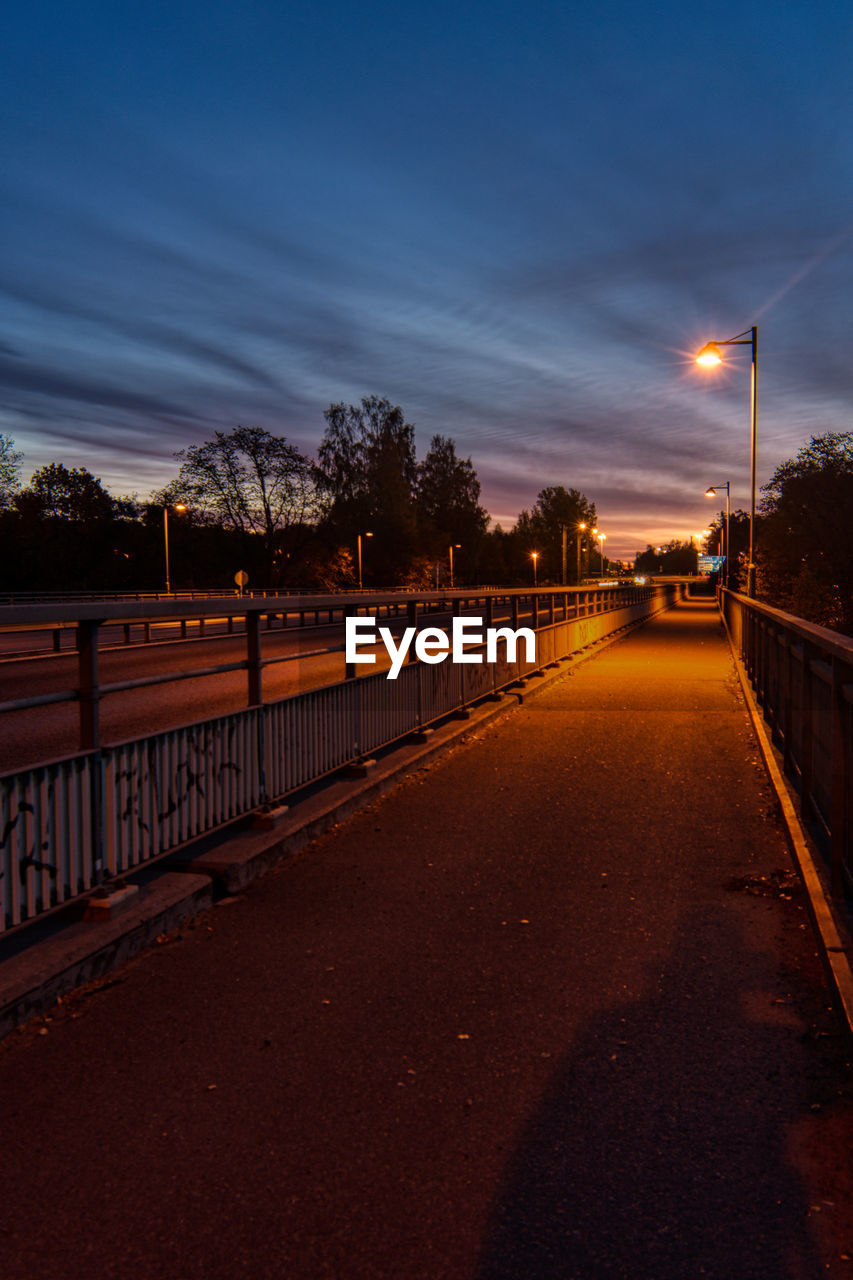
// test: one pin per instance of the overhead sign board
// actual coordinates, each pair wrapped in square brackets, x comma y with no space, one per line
[711,564]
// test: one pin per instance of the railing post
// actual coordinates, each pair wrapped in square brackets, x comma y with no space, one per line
[807,733]
[787,720]
[89,694]
[412,621]
[350,667]
[253,654]
[839,821]
[89,686]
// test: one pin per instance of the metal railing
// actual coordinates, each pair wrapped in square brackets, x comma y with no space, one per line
[802,676]
[67,825]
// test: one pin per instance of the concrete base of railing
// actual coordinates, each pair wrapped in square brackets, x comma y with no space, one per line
[270,817]
[105,905]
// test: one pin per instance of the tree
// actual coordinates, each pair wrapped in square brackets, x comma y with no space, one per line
[676,558]
[10,465]
[805,548]
[448,494]
[68,533]
[541,529]
[738,552]
[59,493]
[367,472]
[250,481]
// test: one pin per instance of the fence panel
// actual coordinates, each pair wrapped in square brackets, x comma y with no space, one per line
[802,676]
[163,791]
[311,734]
[47,842]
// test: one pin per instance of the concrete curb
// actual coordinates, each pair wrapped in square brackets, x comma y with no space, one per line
[32,979]
[55,956]
[832,949]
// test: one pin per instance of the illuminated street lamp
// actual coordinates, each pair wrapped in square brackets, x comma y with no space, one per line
[712,493]
[601,537]
[367,535]
[179,506]
[710,356]
[534,556]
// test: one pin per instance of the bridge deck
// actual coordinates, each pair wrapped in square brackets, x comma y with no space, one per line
[552,1008]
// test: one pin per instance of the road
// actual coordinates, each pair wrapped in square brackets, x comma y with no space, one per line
[549,1009]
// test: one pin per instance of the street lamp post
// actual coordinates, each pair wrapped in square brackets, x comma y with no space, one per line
[534,555]
[710,356]
[711,492]
[179,506]
[458,546]
[581,528]
[601,537]
[367,535]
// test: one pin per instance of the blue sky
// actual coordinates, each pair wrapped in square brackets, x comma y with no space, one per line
[517,221]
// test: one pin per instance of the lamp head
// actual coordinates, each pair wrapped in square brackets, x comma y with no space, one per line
[710,355]
[711,493]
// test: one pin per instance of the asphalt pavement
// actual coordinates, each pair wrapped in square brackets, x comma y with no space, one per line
[550,1008]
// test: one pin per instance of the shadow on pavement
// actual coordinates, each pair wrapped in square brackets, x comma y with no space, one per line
[659,1151]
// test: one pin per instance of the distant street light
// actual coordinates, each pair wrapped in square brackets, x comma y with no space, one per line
[367,535]
[458,546]
[534,555]
[601,537]
[710,356]
[179,506]
[712,493]
[581,528]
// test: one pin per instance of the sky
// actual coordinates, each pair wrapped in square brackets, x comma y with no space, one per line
[518,221]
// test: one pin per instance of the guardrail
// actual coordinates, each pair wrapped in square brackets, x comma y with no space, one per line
[803,681]
[67,825]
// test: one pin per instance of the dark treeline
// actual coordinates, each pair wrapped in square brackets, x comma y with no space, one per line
[367,511]
[803,537]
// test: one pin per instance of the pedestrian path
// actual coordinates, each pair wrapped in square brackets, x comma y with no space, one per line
[551,1008]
